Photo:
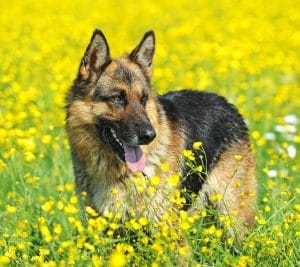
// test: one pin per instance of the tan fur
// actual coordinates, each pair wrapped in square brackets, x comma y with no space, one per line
[235,180]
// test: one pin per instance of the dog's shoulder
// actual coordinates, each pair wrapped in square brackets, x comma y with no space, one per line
[203,110]
[194,101]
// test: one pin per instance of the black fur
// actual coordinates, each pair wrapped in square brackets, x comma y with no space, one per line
[204,117]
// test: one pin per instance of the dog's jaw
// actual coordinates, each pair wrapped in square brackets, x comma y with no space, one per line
[133,156]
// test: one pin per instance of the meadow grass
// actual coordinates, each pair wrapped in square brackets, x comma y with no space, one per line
[247,51]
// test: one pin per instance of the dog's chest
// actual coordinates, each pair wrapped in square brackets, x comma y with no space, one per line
[136,196]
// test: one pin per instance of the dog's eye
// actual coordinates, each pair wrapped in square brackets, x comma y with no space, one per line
[144,100]
[118,99]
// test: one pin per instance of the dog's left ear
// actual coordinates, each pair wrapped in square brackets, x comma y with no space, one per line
[143,53]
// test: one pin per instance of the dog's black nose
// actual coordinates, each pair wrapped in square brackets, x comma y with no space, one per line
[147,134]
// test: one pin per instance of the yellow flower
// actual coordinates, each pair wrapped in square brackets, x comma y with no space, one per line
[28,156]
[155,180]
[11,209]
[197,145]
[238,157]
[60,188]
[261,221]
[70,209]
[255,134]
[73,199]
[279,234]
[174,179]
[267,208]
[184,251]
[219,233]
[184,225]
[251,244]
[237,184]
[69,187]
[27,144]
[189,154]
[39,259]
[91,211]
[58,229]
[60,205]
[229,240]
[2,242]
[143,221]
[114,191]
[46,139]
[45,232]
[140,188]
[4,260]
[114,226]
[216,197]
[89,247]
[47,206]
[117,259]
[145,240]
[157,247]
[9,153]
[134,224]
[204,249]
[66,244]
[32,180]
[97,260]
[199,168]
[44,251]
[164,166]
[2,164]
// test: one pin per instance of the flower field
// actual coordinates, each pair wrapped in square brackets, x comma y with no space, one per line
[247,51]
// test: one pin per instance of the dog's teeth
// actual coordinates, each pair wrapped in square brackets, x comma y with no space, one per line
[116,137]
[113,133]
[120,143]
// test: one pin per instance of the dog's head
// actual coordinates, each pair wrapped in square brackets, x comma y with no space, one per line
[116,95]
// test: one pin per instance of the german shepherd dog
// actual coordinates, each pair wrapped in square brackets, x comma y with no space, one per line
[117,127]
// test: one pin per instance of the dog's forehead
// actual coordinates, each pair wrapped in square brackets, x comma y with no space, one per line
[125,72]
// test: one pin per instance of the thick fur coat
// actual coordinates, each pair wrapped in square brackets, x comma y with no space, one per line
[118,127]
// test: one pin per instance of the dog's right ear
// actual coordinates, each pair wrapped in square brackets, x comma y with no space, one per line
[96,57]
[144,52]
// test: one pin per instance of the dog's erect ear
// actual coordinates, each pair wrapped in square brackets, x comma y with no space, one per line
[143,53]
[96,57]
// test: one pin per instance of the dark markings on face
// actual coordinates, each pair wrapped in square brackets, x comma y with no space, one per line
[125,75]
[101,94]
[122,82]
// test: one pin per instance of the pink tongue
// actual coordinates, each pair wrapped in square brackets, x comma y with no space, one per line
[135,158]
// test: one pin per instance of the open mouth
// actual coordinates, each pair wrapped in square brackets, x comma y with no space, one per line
[133,156]
[110,137]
